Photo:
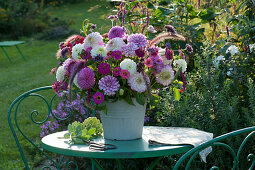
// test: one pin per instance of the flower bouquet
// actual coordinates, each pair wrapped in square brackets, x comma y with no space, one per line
[118,66]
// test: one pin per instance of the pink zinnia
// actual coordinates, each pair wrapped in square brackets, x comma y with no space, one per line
[116,71]
[98,97]
[124,74]
[116,32]
[148,62]
[116,55]
[104,68]
[86,78]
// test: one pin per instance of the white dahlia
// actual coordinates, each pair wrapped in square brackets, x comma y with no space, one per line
[166,75]
[115,44]
[98,50]
[137,83]
[93,39]
[76,51]
[60,74]
[128,64]
[181,63]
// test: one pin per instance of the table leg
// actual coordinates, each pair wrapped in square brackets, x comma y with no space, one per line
[20,52]
[154,163]
[5,52]
[95,163]
[119,164]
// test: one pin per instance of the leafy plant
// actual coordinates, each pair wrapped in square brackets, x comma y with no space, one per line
[89,129]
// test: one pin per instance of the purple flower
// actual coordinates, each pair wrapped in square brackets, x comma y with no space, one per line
[169,54]
[93,26]
[227,30]
[109,85]
[140,52]
[116,32]
[138,39]
[98,97]
[117,55]
[86,78]
[64,52]
[168,45]
[189,48]
[104,68]
[170,28]
[148,17]
[86,53]
[112,17]
[116,71]
[98,58]
[153,51]
[129,49]
[158,60]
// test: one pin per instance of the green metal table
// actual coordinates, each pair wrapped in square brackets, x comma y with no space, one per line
[9,44]
[125,149]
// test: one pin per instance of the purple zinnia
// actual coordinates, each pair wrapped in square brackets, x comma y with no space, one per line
[109,85]
[98,97]
[138,39]
[158,60]
[116,71]
[104,68]
[116,32]
[169,54]
[140,52]
[117,55]
[86,78]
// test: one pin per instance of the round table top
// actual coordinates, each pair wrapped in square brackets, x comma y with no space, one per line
[138,148]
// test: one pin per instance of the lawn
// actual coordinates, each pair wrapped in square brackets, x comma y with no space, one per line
[21,76]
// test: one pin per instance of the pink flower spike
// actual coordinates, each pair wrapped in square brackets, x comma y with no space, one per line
[148,62]
[104,68]
[124,74]
[116,71]
[98,98]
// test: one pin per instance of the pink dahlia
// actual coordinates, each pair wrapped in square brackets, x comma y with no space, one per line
[104,68]
[109,85]
[86,78]
[98,97]
[138,39]
[116,71]
[116,55]
[116,32]
[125,74]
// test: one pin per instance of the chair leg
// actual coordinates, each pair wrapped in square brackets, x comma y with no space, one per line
[20,52]
[5,52]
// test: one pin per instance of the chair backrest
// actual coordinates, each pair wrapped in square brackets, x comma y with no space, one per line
[46,97]
[220,141]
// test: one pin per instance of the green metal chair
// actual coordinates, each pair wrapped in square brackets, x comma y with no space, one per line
[186,160]
[10,44]
[47,97]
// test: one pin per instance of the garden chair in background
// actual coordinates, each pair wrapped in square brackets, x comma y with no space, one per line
[4,44]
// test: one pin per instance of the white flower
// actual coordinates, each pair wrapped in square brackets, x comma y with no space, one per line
[217,60]
[166,75]
[252,46]
[162,53]
[137,83]
[229,71]
[98,50]
[129,65]
[151,29]
[115,44]
[93,39]
[76,51]
[232,49]
[60,74]
[181,63]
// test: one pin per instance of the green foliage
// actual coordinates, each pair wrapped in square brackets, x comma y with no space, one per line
[89,129]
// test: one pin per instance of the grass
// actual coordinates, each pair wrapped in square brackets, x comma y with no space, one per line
[21,76]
